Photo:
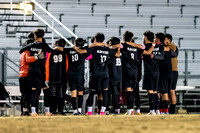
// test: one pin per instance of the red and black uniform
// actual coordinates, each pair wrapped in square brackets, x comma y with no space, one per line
[24,83]
[56,68]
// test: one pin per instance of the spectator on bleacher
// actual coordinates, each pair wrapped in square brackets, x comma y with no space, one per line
[174,61]
[24,82]
[37,70]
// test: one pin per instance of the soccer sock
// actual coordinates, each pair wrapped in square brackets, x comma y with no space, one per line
[151,101]
[99,105]
[33,110]
[53,100]
[60,104]
[25,109]
[105,98]
[80,101]
[103,109]
[115,101]
[172,108]
[161,105]
[33,98]
[90,98]
[80,110]
[165,104]
[117,111]
[73,101]
[130,111]
[46,97]
[130,100]
[89,108]
[156,100]
[46,109]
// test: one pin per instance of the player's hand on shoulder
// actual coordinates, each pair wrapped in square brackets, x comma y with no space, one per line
[47,84]
[40,55]
[151,55]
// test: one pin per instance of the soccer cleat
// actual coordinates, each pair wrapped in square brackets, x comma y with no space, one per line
[102,113]
[107,113]
[34,114]
[89,113]
[129,113]
[48,114]
[158,112]
[151,113]
[138,113]
[25,114]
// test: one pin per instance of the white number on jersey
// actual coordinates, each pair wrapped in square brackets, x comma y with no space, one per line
[103,58]
[57,58]
[132,56]
[118,62]
[74,57]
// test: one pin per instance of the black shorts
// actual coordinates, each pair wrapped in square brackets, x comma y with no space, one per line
[37,80]
[24,85]
[129,80]
[174,79]
[76,82]
[57,89]
[150,81]
[115,87]
[99,82]
[165,82]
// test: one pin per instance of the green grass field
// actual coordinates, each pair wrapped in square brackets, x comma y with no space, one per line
[99,124]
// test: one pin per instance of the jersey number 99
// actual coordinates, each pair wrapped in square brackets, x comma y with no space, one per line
[57,58]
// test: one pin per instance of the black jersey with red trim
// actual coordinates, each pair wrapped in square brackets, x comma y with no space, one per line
[57,67]
[131,58]
[76,61]
[115,68]
[34,49]
[101,58]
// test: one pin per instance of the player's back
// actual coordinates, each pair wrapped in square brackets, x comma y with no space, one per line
[57,66]
[76,61]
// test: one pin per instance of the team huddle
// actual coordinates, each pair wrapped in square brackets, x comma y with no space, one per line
[115,67]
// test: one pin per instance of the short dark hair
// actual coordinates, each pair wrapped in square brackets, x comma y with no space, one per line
[99,37]
[92,40]
[127,36]
[61,42]
[39,33]
[169,36]
[149,35]
[80,42]
[28,41]
[161,36]
[31,35]
[114,40]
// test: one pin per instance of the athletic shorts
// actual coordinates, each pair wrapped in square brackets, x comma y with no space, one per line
[165,82]
[37,80]
[174,79]
[150,81]
[57,89]
[24,85]
[115,87]
[76,82]
[99,82]
[129,80]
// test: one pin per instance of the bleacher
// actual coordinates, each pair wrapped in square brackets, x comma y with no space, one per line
[113,17]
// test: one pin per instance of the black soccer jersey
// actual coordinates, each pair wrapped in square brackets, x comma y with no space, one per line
[131,58]
[57,67]
[166,65]
[101,58]
[75,61]
[115,68]
[34,48]
[151,64]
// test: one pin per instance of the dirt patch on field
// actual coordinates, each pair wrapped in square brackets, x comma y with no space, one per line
[99,124]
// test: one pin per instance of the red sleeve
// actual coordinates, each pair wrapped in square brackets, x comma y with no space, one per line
[67,63]
[47,67]
[29,59]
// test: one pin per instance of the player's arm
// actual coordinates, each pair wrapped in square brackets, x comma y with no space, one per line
[148,52]
[160,55]
[47,69]
[140,46]
[67,65]
[29,58]
[117,54]
[98,44]
[27,47]
[174,53]
[80,51]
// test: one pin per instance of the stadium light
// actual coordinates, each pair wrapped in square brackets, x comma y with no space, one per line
[26,6]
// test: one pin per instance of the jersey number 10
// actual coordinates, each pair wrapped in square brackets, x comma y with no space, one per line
[74,57]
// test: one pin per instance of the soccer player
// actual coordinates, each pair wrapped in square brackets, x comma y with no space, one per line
[76,75]
[151,71]
[37,70]
[174,62]
[165,67]
[56,68]
[100,78]
[24,83]
[130,67]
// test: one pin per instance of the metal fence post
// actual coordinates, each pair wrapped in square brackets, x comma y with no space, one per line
[186,67]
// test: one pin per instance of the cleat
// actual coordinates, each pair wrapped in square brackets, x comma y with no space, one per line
[25,114]
[138,113]
[151,113]
[34,114]
[48,114]
[89,113]
[158,112]
[107,113]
